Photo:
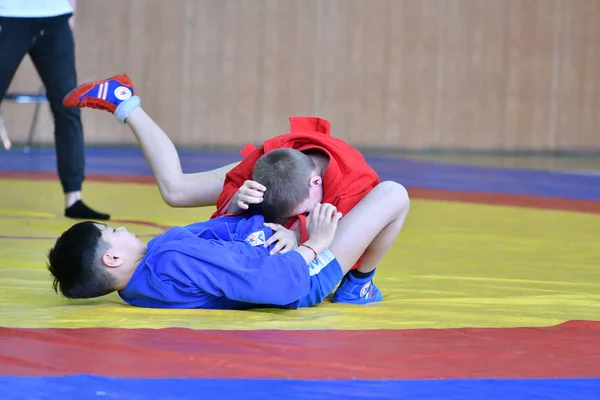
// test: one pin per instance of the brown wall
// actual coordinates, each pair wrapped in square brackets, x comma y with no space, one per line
[477,74]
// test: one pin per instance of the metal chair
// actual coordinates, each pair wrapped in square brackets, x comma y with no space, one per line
[24,98]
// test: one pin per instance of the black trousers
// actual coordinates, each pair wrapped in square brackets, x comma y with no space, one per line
[49,43]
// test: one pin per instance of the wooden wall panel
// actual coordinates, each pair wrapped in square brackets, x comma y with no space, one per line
[455,74]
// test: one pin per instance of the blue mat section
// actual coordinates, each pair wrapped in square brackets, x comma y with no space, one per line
[92,387]
[411,173]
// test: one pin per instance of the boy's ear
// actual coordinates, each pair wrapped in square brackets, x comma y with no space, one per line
[111,259]
[315,181]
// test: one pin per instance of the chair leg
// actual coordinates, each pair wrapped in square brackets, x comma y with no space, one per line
[33,125]
[4,136]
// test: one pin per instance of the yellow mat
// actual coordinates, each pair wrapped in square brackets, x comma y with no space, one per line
[454,265]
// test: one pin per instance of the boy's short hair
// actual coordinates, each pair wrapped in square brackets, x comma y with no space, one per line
[286,174]
[75,263]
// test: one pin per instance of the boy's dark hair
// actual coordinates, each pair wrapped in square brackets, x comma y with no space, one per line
[286,174]
[75,263]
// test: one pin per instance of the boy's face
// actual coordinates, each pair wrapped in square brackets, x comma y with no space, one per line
[315,195]
[121,242]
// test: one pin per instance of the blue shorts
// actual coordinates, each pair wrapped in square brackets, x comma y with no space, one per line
[325,274]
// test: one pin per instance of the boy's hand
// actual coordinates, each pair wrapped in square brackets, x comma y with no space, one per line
[287,240]
[250,192]
[322,223]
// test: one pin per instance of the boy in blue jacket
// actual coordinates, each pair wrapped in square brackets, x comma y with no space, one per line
[223,263]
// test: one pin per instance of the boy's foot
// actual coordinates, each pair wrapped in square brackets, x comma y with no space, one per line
[357,288]
[101,95]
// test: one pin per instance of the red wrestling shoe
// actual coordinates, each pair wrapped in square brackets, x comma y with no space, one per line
[101,95]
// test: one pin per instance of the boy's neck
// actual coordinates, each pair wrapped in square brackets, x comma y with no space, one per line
[321,160]
[125,272]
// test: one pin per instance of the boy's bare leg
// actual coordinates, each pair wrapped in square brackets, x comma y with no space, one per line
[176,188]
[371,227]
[382,243]
[116,95]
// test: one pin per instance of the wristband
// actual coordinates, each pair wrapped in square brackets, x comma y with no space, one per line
[311,249]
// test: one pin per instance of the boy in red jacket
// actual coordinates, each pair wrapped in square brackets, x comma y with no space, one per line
[334,165]
[341,164]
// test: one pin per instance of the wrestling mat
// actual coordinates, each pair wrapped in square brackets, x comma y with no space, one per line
[492,291]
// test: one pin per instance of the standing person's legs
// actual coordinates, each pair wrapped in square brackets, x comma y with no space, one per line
[53,55]
[16,38]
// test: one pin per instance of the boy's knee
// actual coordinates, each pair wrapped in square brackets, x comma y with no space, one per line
[395,193]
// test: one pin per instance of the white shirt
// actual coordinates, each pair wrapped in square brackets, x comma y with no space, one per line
[34,8]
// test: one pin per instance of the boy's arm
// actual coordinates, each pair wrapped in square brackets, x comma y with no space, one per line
[343,205]
[176,188]
[277,279]
[234,179]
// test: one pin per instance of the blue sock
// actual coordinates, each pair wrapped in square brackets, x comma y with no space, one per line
[362,275]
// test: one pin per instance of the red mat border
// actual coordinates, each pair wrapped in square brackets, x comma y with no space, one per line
[526,201]
[569,350]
